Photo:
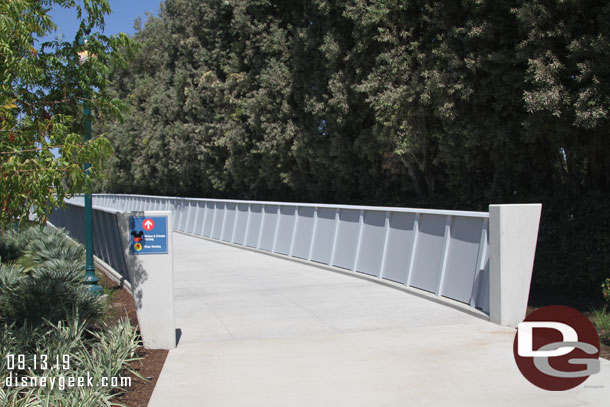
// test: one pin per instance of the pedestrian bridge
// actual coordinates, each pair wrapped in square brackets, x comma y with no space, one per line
[283,330]
[445,255]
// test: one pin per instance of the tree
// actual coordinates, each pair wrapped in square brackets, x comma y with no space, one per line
[42,91]
[412,103]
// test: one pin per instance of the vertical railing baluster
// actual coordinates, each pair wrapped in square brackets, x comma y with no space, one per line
[277,227]
[360,227]
[413,248]
[248,224]
[262,224]
[384,251]
[294,230]
[334,248]
[313,233]
[445,255]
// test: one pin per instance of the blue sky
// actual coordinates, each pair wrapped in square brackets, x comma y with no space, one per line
[124,13]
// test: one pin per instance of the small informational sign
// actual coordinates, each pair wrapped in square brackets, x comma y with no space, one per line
[148,235]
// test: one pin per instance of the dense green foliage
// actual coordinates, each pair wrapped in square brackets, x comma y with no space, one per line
[444,104]
[42,90]
[105,353]
[44,282]
[45,309]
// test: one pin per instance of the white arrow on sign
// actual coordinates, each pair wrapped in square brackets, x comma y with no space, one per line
[148,224]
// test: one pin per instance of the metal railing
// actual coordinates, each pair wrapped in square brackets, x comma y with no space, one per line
[107,245]
[442,252]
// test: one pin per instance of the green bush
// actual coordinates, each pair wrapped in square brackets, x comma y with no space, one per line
[601,320]
[52,293]
[12,244]
[104,353]
[42,246]
[45,309]
[46,282]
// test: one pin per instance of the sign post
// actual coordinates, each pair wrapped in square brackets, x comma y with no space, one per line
[151,269]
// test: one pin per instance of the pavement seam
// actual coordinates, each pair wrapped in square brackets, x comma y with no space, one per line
[217,316]
[213,312]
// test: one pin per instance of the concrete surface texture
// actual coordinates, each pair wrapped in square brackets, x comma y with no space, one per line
[263,331]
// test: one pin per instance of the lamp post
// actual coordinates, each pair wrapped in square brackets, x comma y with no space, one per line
[90,278]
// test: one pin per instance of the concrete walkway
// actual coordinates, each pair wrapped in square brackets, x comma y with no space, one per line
[263,331]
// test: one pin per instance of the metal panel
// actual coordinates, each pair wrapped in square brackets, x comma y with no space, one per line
[269,227]
[428,253]
[346,241]
[445,254]
[103,231]
[324,236]
[96,232]
[209,218]
[199,215]
[103,234]
[399,247]
[182,209]
[229,221]
[480,289]
[186,210]
[283,239]
[219,215]
[254,227]
[303,232]
[462,258]
[80,225]
[241,223]
[372,244]
[190,224]
[176,212]
[482,301]
[113,239]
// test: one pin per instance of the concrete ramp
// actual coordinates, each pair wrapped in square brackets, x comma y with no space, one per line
[263,331]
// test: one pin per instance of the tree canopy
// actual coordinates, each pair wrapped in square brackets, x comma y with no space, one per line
[42,90]
[445,104]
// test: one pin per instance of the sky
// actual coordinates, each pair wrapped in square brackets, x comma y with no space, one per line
[124,13]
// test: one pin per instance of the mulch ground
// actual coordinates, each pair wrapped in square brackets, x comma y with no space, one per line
[151,363]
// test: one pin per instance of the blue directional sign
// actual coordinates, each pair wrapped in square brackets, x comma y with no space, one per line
[148,234]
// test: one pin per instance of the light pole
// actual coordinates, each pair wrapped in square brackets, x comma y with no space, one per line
[90,278]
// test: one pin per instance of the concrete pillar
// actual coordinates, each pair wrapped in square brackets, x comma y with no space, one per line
[513,232]
[152,283]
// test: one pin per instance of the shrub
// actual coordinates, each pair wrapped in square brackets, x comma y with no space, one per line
[47,245]
[11,245]
[45,309]
[46,282]
[105,353]
[53,293]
